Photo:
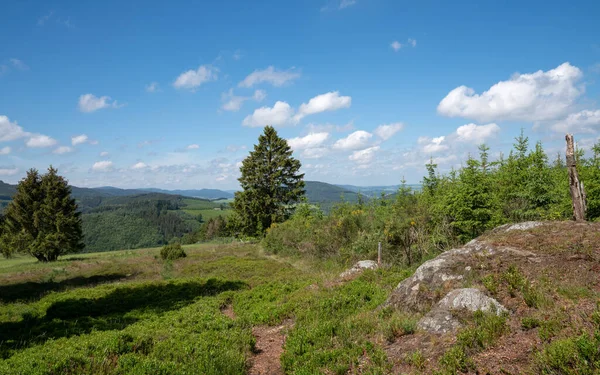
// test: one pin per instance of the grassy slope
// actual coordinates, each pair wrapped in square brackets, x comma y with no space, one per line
[126,312]
[205,208]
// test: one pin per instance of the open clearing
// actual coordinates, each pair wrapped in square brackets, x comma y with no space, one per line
[128,312]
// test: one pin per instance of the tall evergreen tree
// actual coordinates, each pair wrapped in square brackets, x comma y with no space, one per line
[270,183]
[42,219]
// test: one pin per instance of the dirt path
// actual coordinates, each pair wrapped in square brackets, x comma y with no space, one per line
[269,348]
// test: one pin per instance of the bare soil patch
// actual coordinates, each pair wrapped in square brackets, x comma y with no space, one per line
[268,349]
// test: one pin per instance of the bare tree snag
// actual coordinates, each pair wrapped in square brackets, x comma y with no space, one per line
[576,187]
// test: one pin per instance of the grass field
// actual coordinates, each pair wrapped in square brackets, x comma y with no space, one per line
[205,208]
[128,312]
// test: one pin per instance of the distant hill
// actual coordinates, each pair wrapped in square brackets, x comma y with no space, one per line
[375,191]
[199,193]
[326,194]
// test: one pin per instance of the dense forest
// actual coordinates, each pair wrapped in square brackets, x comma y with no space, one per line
[450,209]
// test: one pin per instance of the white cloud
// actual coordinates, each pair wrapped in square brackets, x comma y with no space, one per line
[103,166]
[477,134]
[315,153]
[581,122]
[43,19]
[104,154]
[396,45]
[5,150]
[152,87]
[90,103]
[234,148]
[311,140]
[40,140]
[233,103]
[79,139]
[386,132]
[192,79]
[8,171]
[357,140]
[62,150]
[193,147]
[538,96]
[330,101]
[270,75]
[281,114]
[19,64]
[139,165]
[364,156]
[431,146]
[346,3]
[9,131]
[259,95]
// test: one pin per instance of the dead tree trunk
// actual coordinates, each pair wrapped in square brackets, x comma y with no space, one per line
[576,187]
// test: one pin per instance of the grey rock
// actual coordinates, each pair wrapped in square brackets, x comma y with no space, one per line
[436,277]
[441,320]
[359,267]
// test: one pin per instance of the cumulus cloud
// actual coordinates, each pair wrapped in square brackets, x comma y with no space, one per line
[270,75]
[102,166]
[311,140]
[139,165]
[397,46]
[40,141]
[538,96]
[364,156]
[90,103]
[581,122]
[315,153]
[62,150]
[433,145]
[5,150]
[357,140]
[18,64]
[79,139]
[104,154]
[193,79]
[280,114]
[233,102]
[386,132]
[193,147]
[330,101]
[8,171]
[152,87]
[259,95]
[477,134]
[9,131]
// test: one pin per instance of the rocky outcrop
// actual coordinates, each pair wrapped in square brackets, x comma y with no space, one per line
[436,277]
[358,268]
[441,318]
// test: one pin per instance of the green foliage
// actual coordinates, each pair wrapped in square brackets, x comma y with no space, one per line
[42,219]
[270,183]
[571,356]
[529,322]
[482,333]
[172,252]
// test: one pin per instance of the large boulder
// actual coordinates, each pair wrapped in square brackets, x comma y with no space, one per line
[449,271]
[441,318]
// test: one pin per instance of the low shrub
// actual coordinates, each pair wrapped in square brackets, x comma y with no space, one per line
[172,252]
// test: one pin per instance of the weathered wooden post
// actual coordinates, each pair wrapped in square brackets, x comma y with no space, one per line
[379,255]
[576,187]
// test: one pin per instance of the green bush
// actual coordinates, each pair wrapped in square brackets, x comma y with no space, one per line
[172,252]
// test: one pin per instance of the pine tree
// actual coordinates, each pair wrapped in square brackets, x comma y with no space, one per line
[270,185]
[42,219]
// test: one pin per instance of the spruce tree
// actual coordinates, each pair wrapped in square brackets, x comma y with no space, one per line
[271,184]
[42,219]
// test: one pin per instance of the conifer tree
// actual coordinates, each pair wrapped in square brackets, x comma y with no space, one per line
[42,219]
[270,183]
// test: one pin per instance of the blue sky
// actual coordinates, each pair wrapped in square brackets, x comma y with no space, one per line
[137,94]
